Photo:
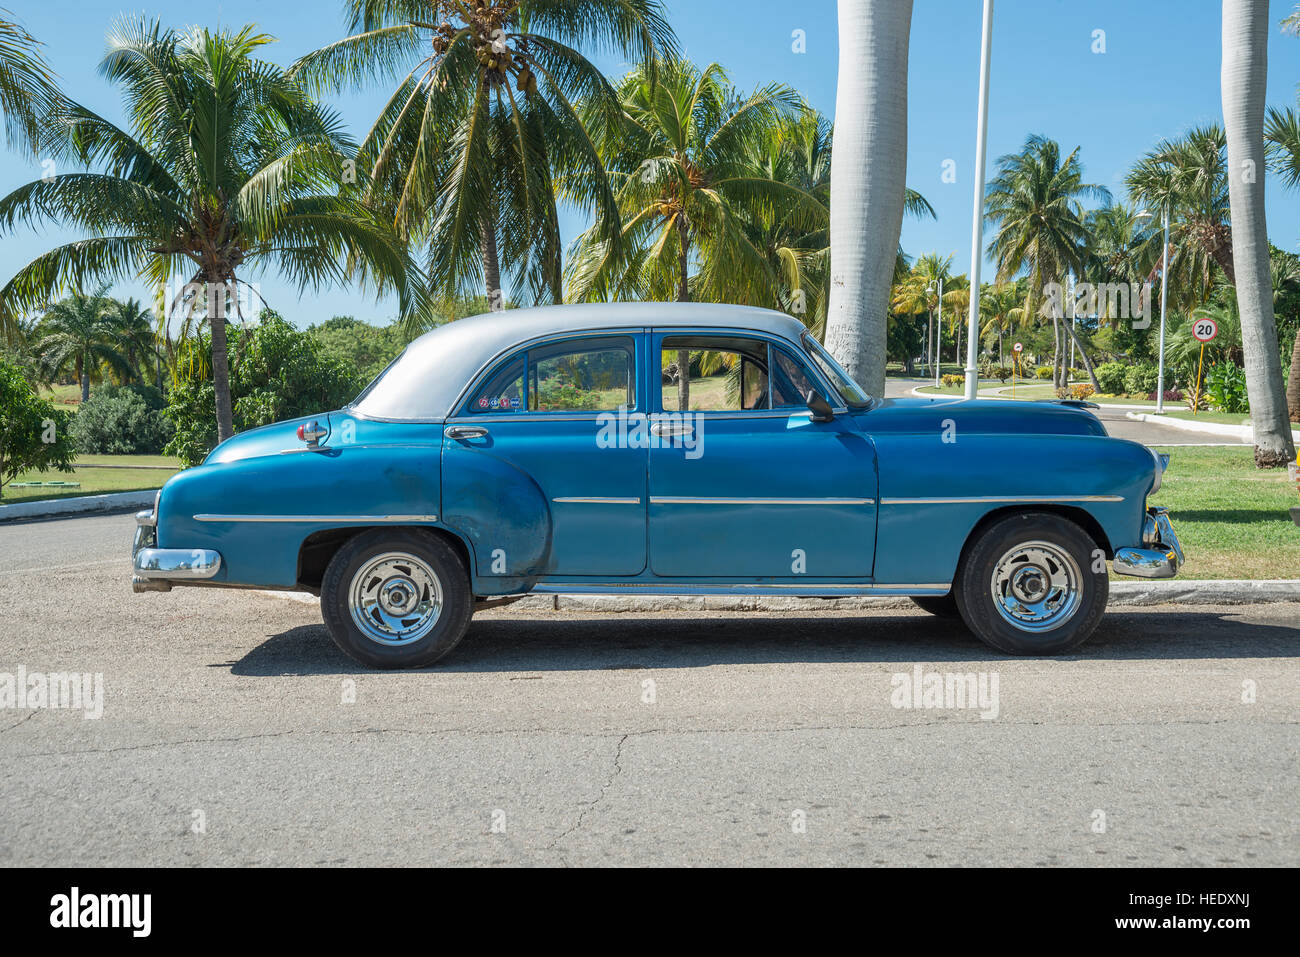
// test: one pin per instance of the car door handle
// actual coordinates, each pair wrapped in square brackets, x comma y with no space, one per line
[464,431]
[670,429]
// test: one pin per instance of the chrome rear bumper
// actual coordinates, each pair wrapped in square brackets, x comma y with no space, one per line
[157,568]
[1159,556]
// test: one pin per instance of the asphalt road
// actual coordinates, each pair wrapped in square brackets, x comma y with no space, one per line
[225,736]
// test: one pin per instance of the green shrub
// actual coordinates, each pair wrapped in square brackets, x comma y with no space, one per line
[953,380]
[33,433]
[1225,385]
[1141,378]
[122,420]
[1110,376]
[1043,372]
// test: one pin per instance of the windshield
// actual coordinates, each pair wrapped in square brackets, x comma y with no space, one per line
[850,393]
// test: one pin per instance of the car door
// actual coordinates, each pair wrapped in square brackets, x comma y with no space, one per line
[743,483]
[530,461]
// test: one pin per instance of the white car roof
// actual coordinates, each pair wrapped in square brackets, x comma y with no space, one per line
[428,378]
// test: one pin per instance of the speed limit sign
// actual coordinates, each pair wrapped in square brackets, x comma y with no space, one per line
[1205,329]
[1019,347]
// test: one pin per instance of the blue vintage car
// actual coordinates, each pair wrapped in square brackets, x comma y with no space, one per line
[656,449]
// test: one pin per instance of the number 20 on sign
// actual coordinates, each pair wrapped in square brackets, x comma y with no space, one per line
[1204,330]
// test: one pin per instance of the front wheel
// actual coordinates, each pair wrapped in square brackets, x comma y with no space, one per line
[396,598]
[1032,584]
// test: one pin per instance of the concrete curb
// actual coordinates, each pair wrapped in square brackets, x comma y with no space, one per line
[76,504]
[1122,593]
[1243,432]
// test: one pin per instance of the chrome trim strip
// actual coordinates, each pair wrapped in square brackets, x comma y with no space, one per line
[976,499]
[808,589]
[691,500]
[209,517]
[595,500]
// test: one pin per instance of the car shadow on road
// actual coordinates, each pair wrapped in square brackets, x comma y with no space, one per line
[613,642]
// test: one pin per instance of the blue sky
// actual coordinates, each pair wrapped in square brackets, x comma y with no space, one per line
[1158,76]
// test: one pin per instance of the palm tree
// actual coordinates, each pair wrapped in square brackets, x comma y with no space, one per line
[79,331]
[465,154]
[1188,177]
[1243,78]
[28,95]
[134,325]
[1003,303]
[867,182]
[228,167]
[1034,205]
[681,164]
[918,293]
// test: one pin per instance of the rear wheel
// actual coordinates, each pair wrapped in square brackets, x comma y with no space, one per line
[1030,585]
[396,598]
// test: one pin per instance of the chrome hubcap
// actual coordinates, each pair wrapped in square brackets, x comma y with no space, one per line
[1037,586]
[395,599]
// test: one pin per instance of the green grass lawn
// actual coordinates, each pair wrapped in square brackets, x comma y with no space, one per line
[128,474]
[66,395]
[1231,517]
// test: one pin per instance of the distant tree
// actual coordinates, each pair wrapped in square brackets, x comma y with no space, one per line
[79,331]
[364,348]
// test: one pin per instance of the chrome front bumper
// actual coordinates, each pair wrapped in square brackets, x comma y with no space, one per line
[157,568]
[1159,556]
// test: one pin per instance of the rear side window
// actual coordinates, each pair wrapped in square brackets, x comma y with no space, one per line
[577,375]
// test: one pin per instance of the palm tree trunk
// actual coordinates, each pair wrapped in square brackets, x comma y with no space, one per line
[83,376]
[1293,383]
[1087,363]
[1243,76]
[221,372]
[1056,352]
[492,268]
[868,173]
[683,295]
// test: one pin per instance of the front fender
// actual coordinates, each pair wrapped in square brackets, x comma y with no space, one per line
[933,492]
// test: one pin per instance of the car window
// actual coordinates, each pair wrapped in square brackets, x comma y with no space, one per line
[850,393]
[503,391]
[713,374]
[791,381]
[592,375]
[582,375]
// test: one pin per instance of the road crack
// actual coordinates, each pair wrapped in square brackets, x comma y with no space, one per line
[615,771]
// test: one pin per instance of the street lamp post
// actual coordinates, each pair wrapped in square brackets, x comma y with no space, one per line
[1164,289]
[977,227]
[938,329]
